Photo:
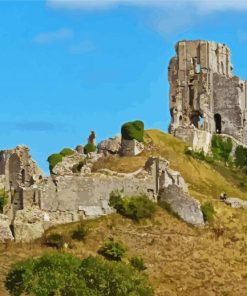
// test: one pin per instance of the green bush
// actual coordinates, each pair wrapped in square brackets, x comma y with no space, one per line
[3,200]
[114,278]
[53,160]
[138,263]
[67,152]
[133,131]
[66,275]
[241,157]
[112,250]
[135,207]
[208,211]
[198,155]
[89,148]
[221,148]
[195,154]
[51,274]
[80,233]
[54,240]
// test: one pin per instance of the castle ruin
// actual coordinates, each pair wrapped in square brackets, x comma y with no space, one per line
[205,96]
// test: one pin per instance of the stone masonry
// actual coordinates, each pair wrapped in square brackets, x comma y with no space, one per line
[37,202]
[205,96]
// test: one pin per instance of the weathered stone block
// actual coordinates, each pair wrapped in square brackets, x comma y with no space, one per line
[131,147]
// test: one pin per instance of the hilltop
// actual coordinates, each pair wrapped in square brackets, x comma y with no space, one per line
[181,259]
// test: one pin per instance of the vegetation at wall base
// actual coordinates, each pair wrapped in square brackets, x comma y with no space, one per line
[134,207]
[66,275]
[198,155]
[241,157]
[208,211]
[133,130]
[221,148]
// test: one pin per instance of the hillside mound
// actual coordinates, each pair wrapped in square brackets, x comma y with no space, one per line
[180,259]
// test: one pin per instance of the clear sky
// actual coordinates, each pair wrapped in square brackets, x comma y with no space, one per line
[68,67]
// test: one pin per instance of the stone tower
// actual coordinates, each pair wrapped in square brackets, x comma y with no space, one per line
[205,96]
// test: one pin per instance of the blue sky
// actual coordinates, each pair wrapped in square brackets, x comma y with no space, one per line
[69,67]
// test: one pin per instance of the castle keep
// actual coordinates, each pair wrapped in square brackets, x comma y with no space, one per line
[205,96]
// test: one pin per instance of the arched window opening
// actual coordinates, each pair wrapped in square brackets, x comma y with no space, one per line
[218,126]
[180,120]
[195,119]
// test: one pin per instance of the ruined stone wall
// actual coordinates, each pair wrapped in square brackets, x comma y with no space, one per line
[204,93]
[90,192]
[228,104]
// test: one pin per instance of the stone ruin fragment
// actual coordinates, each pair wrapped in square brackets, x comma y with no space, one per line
[205,96]
[37,202]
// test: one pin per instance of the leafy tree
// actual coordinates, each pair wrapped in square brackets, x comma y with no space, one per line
[51,274]
[66,275]
[133,130]
[114,278]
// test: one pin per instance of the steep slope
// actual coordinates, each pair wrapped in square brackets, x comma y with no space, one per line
[181,259]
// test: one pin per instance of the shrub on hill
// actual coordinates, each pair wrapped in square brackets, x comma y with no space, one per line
[65,275]
[208,211]
[198,155]
[138,263]
[90,147]
[3,199]
[67,152]
[221,148]
[80,232]
[112,250]
[53,160]
[135,207]
[133,130]
[55,240]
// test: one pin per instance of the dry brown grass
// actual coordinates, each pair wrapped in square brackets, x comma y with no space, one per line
[181,259]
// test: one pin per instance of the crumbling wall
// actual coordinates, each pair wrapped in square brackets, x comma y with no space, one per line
[82,192]
[204,93]
[227,106]
[20,175]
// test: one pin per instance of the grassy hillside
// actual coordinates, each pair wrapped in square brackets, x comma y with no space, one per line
[181,259]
